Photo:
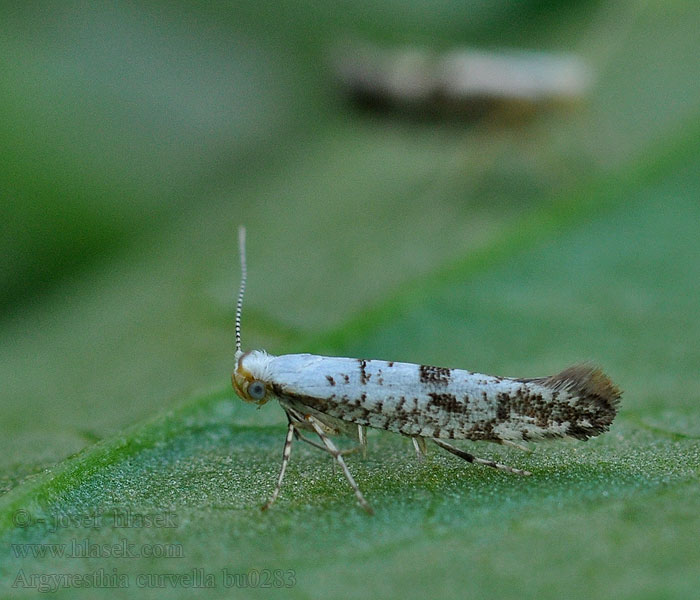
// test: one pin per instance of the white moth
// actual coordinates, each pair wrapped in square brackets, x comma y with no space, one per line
[463,80]
[333,395]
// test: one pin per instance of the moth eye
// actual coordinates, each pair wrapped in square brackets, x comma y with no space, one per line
[256,390]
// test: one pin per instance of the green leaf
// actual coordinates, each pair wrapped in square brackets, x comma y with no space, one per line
[498,248]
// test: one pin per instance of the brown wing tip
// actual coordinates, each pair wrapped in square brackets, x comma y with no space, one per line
[598,398]
[586,380]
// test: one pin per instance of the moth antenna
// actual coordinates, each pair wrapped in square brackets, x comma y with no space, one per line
[241,289]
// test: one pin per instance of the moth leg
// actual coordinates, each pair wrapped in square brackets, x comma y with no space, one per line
[303,438]
[515,445]
[419,445]
[285,461]
[338,457]
[362,438]
[299,424]
[480,461]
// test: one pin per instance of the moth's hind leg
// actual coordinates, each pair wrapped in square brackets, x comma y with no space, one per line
[480,461]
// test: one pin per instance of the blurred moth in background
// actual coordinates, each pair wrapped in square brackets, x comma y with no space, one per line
[461,81]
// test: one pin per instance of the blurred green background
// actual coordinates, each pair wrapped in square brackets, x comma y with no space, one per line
[136,137]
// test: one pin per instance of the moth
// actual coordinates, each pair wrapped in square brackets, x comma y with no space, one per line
[465,81]
[327,395]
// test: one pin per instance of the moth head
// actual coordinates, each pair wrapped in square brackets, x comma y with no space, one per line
[249,377]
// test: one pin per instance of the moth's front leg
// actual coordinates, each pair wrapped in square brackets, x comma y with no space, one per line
[286,452]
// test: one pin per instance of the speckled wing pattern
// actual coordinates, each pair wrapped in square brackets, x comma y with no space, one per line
[436,402]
